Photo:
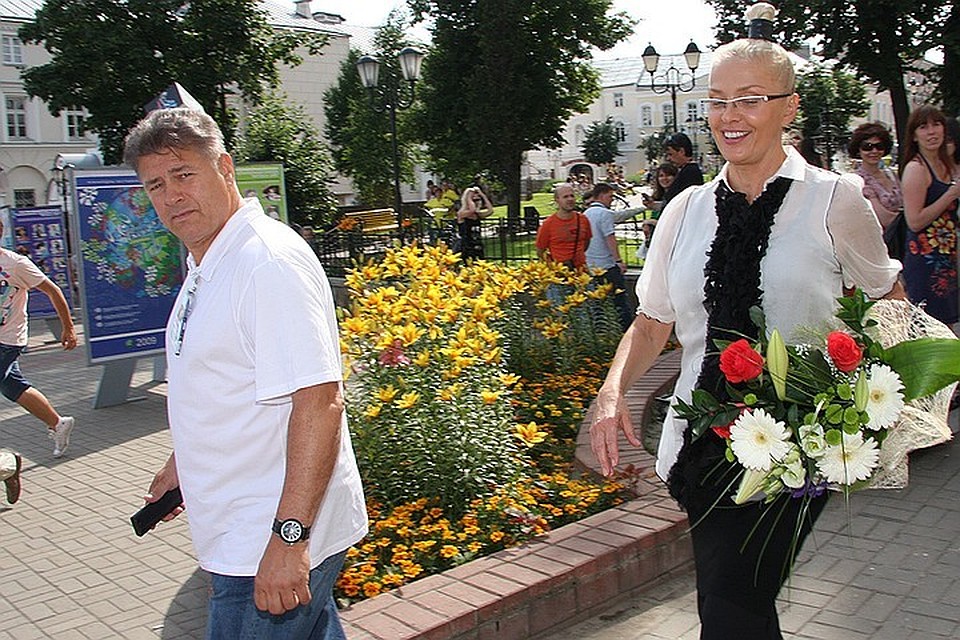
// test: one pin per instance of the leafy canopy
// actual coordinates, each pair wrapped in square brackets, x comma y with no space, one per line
[829,99]
[600,143]
[359,135]
[504,76]
[277,131]
[111,57]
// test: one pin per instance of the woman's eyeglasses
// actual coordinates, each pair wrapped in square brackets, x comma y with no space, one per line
[872,146]
[745,104]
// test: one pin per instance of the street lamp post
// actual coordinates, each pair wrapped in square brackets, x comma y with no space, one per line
[392,98]
[672,79]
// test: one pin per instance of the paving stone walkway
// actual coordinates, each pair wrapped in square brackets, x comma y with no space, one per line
[887,567]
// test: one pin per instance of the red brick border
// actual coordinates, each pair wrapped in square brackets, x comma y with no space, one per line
[563,576]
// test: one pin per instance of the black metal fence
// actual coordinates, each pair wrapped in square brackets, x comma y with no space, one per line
[504,240]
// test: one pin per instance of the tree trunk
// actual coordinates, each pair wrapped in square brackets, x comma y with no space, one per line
[949,87]
[901,109]
[512,183]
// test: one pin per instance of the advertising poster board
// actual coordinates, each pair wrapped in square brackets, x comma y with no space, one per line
[131,267]
[39,234]
[6,238]
[265,181]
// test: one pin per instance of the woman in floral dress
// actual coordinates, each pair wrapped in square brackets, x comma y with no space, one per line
[930,193]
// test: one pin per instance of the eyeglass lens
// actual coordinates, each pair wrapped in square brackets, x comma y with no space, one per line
[870,146]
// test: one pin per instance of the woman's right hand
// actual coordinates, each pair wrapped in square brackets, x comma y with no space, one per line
[954,190]
[612,415]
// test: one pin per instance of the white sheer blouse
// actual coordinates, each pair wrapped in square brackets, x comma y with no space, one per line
[824,238]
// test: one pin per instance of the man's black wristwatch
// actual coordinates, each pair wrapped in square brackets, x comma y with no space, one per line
[291,531]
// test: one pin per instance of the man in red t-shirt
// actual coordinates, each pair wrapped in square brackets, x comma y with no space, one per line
[564,236]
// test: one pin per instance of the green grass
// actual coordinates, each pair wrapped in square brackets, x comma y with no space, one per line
[542,201]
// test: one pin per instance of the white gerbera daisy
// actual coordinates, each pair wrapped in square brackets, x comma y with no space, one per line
[852,460]
[884,400]
[757,439]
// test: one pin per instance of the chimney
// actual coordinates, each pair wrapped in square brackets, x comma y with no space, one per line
[303,8]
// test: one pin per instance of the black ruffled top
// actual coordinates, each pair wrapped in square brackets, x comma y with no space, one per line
[732,288]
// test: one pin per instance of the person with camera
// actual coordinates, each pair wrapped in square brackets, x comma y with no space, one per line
[679,152]
[474,207]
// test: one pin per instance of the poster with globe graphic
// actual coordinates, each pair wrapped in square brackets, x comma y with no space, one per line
[131,267]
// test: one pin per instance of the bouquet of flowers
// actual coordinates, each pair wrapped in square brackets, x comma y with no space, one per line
[840,412]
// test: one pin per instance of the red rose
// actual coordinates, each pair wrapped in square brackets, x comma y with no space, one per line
[723,432]
[740,362]
[844,351]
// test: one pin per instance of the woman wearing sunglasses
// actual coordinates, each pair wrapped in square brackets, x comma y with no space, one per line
[870,142]
[769,230]
[930,193]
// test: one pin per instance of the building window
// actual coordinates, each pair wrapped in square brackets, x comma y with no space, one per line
[646,116]
[693,114]
[618,99]
[667,111]
[16,118]
[579,133]
[12,51]
[621,131]
[24,198]
[75,124]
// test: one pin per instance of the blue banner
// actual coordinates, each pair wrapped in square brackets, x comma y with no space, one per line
[131,267]
[39,234]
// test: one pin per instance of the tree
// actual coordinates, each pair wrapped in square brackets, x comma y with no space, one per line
[829,99]
[652,144]
[279,132]
[360,136]
[111,57]
[504,76]
[880,39]
[600,143]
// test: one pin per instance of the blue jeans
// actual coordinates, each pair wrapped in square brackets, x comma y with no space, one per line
[12,382]
[234,616]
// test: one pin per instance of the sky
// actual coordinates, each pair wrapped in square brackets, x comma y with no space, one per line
[659,22]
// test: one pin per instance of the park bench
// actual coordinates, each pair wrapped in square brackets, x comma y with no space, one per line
[374,219]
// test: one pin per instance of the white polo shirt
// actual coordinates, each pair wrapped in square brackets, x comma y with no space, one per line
[261,326]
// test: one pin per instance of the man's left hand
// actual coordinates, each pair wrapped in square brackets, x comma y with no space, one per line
[68,338]
[283,578]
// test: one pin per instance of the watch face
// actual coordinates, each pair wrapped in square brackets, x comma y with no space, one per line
[291,530]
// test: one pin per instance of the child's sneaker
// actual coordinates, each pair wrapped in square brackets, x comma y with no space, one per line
[61,436]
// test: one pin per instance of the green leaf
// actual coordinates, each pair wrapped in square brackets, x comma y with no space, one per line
[925,365]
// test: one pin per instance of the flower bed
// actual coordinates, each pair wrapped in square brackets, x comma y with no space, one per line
[467,386]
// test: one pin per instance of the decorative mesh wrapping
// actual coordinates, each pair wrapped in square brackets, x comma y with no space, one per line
[923,422]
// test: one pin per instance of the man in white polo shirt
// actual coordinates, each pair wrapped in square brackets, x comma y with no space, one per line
[262,453]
